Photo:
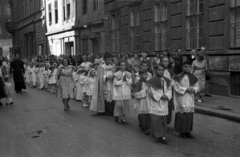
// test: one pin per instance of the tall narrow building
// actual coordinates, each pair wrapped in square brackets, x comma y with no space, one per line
[75,26]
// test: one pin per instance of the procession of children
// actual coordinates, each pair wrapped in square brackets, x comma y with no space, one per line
[109,84]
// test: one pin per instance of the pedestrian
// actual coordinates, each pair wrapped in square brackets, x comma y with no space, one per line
[159,93]
[199,67]
[85,63]
[122,93]
[17,69]
[135,63]
[140,103]
[8,86]
[40,76]
[65,83]
[84,88]
[27,77]
[2,90]
[185,87]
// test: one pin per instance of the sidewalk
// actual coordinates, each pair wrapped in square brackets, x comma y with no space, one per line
[225,107]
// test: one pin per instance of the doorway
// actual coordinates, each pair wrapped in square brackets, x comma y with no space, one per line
[69,48]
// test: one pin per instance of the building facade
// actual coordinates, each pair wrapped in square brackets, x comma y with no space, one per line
[5,37]
[158,25]
[75,26]
[28,27]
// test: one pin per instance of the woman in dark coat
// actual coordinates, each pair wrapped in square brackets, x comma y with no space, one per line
[17,69]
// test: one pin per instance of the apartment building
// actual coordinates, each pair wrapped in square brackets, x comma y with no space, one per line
[28,27]
[75,26]
[158,25]
[5,37]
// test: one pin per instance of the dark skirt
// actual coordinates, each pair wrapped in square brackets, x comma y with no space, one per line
[170,109]
[109,108]
[159,125]
[2,91]
[18,80]
[144,122]
[184,122]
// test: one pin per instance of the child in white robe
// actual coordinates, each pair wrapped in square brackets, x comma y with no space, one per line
[46,74]
[52,78]
[32,75]
[27,77]
[122,93]
[79,81]
[8,86]
[140,103]
[185,86]
[159,93]
[40,76]
[90,83]
[84,89]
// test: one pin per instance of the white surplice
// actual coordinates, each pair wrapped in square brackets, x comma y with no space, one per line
[183,101]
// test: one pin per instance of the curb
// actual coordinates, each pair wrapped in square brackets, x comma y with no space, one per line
[217,114]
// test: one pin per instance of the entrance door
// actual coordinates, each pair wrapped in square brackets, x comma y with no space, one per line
[69,50]
[235,83]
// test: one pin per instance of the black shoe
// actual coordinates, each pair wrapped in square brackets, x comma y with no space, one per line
[147,132]
[11,103]
[7,104]
[123,121]
[163,140]
[68,107]
[182,135]
[1,104]
[208,95]
[189,135]
[116,119]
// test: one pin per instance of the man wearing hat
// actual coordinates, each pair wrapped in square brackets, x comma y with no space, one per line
[102,97]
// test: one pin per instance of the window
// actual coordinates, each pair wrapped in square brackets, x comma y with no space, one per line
[84,6]
[135,29]
[194,24]
[96,5]
[115,32]
[68,9]
[50,14]
[64,10]
[56,11]
[160,26]
[7,9]
[85,46]
[235,24]
[235,3]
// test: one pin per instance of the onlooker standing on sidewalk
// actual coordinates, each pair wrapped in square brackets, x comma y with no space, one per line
[208,77]
[199,67]
[185,87]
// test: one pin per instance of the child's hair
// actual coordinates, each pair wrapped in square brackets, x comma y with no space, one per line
[157,66]
[141,72]
[186,63]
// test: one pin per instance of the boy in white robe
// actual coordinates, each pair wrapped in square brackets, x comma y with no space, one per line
[159,93]
[140,103]
[122,93]
[185,86]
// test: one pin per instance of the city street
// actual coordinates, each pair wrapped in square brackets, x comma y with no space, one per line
[37,126]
